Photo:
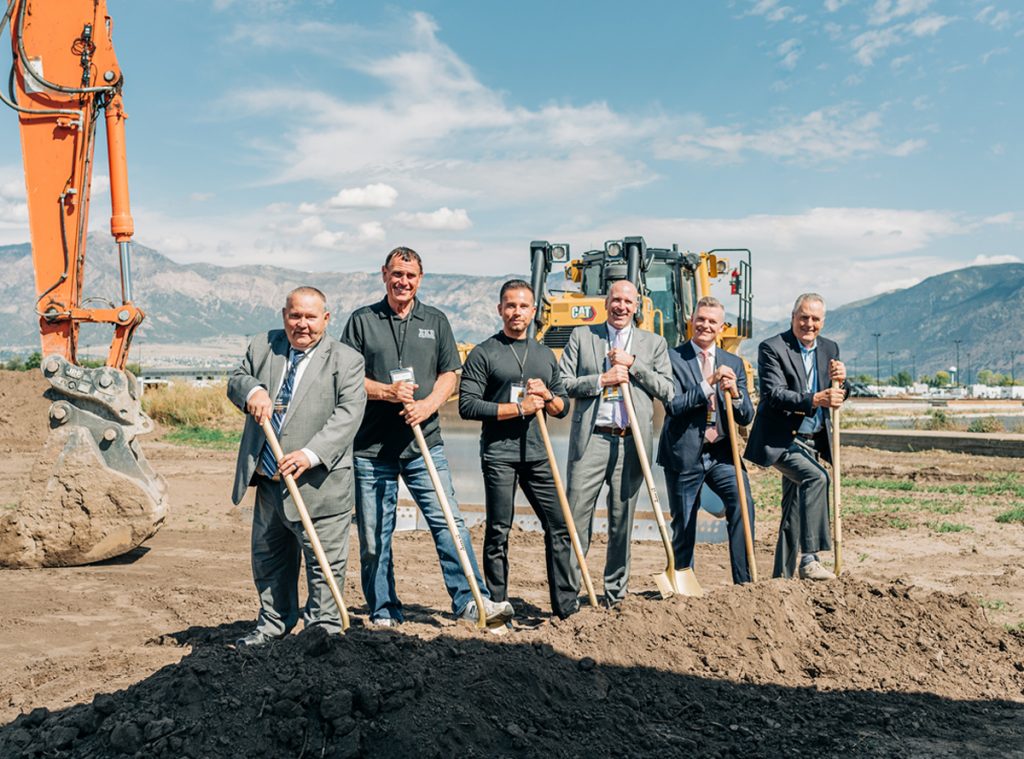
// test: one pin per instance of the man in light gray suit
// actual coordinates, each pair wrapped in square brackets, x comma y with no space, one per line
[596,361]
[317,386]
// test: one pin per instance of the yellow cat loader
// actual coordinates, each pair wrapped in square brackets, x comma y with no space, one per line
[670,282]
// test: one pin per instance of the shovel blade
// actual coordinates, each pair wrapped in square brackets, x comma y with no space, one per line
[687,584]
[666,588]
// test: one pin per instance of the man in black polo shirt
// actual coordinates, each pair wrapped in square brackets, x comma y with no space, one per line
[507,379]
[411,363]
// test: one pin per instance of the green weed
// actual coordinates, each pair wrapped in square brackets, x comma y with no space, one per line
[870,483]
[204,437]
[899,524]
[944,527]
[1016,514]
[992,603]
[941,507]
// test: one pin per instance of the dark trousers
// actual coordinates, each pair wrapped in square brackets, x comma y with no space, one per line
[537,482]
[804,527]
[278,547]
[715,469]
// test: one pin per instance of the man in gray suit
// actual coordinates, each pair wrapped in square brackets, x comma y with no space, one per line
[317,386]
[596,362]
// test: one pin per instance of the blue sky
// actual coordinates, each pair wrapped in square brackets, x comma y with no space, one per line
[853,146]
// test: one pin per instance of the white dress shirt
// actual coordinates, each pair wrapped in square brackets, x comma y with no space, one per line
[606,411]
[300,369]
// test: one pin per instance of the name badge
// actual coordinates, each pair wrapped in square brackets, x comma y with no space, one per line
[404,374]
[612,393]
[712,418]
[516,393]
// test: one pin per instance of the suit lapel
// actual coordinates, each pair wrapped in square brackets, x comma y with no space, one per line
[689,355]
[796,360]
[822,360]
[278,359]
[600,344]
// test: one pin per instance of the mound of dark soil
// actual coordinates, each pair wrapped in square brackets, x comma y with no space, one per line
[833,669]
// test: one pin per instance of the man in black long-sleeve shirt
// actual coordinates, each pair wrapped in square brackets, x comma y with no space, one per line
[506,381]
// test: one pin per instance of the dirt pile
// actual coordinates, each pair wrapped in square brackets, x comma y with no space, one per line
[24,423]
[784,667]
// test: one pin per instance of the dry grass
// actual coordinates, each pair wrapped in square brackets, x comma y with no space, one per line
[182,405]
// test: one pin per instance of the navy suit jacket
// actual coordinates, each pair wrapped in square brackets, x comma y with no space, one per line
[785,399]
[682,435]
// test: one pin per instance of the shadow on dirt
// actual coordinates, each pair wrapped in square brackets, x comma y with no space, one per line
[385,693]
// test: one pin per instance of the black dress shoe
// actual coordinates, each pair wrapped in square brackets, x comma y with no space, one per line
[254,639]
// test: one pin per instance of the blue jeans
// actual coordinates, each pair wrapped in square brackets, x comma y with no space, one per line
[376,500]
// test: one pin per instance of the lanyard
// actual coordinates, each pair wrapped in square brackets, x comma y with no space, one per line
[521,362]
[400,347]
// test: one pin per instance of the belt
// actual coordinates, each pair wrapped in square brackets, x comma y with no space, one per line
[275,478]
[614,431]
[808,435]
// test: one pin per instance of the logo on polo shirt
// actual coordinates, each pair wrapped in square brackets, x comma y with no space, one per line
[427,334]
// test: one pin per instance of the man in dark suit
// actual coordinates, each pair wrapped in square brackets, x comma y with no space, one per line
[694,448]
[793,431]
[317,387]
[597,360]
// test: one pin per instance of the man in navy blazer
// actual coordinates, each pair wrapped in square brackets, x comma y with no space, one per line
[694,447]
[792,431]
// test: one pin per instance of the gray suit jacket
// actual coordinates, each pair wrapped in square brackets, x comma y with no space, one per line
[323,415]
[583,362]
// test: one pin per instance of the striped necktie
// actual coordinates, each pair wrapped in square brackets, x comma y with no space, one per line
[268,464]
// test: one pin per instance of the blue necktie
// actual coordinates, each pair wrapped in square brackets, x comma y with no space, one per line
[268,464]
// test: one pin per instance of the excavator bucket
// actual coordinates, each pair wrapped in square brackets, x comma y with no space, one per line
[91,493]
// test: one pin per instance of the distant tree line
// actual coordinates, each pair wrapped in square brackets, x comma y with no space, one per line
[939,379]
[35,360]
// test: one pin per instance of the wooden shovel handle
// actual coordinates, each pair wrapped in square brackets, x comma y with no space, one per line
[748,538]
[570,523]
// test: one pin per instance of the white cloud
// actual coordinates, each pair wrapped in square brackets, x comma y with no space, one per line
[442,218]
[884,11]
[372,231]
[310,224]
[100,185]
[308,208]
[13,208]
[841,252]
[829,134]
[327,239]
[985,260]
[870,45]
[833,5]
[1007,217]
[371,196]
[200,197]
[997,19]
[988,55]
[770,9]
[789,53]
[928,26]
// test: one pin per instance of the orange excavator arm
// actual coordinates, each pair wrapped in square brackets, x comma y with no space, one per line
[91,494]
[66,77]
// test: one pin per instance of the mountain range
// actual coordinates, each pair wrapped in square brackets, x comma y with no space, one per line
[203,313]
[982,307]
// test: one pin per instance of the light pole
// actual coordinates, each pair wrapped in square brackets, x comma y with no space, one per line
[957,362]
[878,370]
[892,371]
[1013,365]
[913,368]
